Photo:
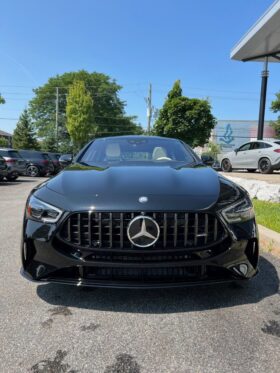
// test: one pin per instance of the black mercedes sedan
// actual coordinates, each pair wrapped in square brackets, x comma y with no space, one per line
[138,212]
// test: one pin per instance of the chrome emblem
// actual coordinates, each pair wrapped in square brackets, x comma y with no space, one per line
[143,231]
[143,199]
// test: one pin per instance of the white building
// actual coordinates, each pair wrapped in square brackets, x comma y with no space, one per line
[230,134]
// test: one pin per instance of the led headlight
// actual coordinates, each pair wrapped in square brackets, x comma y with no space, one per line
[42,211]
[239,212]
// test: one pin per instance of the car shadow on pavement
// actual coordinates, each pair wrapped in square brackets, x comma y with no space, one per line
[188,299]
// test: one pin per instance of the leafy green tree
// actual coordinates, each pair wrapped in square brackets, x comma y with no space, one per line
[188,119]
[108,111]
[48,144]
[275,107]
[4,143]
[24,135]
[2,100]
[79,114]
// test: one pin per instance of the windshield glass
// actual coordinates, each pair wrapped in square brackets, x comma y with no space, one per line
[136,150]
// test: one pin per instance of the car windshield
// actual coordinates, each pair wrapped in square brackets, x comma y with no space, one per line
[139,150]
[10,153]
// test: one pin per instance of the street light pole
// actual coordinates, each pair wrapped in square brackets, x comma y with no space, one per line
[265,74]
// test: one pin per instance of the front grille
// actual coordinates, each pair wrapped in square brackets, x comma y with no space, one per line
[102,230]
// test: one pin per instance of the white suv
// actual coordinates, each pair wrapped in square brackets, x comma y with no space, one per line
[260,154]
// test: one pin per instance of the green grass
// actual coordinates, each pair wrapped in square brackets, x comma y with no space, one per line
[268,214]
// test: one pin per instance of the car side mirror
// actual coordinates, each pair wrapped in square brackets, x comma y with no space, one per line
[65,159]
[236,150]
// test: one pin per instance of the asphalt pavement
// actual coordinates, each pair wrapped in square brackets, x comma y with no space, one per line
[55,328]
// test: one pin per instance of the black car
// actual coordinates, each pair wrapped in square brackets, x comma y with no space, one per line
[54,157]
[16,165]
[137,211]
[3,168]
[38,163]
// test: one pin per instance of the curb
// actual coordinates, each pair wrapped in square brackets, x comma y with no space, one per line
[269,240]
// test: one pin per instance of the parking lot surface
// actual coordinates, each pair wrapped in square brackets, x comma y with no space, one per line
[54,328]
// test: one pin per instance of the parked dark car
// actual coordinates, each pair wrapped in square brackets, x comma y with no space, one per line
[15,163]
[137,211]
[3,168]
[38,163]
[55,160]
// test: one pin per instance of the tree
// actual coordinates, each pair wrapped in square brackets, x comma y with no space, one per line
[24,134]
[2,100]
[275,107]
[184,118]
[108,114]
[213,150]
[79,114]
[4,143]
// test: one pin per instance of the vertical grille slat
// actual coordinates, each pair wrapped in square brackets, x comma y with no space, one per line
[164,229]
[121,230]
[108,230]
[175,228]
[215,229]
[195,228]
[186,229]
[111,229]
[100,228]
[89,229]
[79,229]
[69,229]
[206,229]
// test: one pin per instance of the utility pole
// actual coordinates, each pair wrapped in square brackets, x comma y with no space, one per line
[149,109]
[56,118]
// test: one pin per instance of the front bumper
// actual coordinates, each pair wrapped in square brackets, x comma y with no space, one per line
[47,259]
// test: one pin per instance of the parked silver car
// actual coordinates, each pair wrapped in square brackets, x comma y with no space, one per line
[16,164]
[260,154]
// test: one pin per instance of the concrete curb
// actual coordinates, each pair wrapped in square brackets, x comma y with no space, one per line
[269,240]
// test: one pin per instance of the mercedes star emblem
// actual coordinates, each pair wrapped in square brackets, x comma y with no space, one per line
[143,231]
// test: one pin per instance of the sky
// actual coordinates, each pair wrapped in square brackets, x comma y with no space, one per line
[136,43]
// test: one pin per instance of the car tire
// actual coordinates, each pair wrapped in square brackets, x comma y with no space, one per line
[226,165]
[251,170]
[265,166]
[11,177]
[1,178]
[32,171]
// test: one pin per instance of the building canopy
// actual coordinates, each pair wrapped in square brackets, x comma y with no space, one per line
[262,40]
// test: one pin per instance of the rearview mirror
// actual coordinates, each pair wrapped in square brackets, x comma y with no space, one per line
[65,159]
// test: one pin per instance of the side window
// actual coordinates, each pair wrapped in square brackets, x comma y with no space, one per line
[266,145]
[256,145]
[244,147]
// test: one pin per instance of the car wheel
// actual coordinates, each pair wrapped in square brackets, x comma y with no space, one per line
[11,177]
[32,171]
[1,178]
[226,165]
[265,166]
[251,170]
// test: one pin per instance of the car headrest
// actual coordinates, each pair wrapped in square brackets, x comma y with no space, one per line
[159,152]
[113,151]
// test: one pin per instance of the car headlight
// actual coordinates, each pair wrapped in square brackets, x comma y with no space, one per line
[239,212]
[42,211]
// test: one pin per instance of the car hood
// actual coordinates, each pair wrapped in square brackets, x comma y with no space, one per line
[80,188]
